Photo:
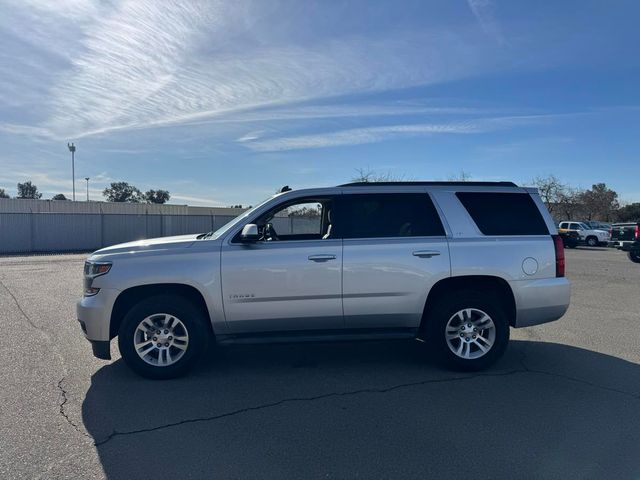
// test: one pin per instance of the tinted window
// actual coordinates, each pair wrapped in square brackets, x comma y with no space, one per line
[388,215]
[504,213]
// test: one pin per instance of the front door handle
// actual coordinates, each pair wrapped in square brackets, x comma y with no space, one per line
[321,258]
[426,253]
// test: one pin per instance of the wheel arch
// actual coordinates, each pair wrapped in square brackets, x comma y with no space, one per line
[129,297]
[483,283]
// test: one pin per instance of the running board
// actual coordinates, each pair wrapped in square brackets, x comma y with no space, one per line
[350,335]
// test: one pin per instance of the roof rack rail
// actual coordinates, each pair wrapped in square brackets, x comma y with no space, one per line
[455,184]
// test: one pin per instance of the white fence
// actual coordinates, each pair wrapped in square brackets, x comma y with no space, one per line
[67,232]
[31,226]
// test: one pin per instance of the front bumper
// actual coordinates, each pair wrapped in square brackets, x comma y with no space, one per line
[101,350]
[94,314]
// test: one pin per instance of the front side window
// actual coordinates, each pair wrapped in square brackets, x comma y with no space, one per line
[388,215]
[303,219]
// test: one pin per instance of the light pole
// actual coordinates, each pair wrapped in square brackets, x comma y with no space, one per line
[87,179]
[72,149]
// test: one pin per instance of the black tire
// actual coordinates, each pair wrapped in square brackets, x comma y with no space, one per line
[438,316]
[592,241]
[634,257]
[194,323]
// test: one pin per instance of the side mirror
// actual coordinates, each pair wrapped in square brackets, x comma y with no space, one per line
[249,233]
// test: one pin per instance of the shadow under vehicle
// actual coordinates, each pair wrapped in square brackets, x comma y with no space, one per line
[371,410]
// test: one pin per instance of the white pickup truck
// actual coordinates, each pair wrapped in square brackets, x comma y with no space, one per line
[591,237]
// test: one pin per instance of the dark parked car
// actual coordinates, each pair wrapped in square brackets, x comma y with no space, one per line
[624,234]
[570,239]
[634,251]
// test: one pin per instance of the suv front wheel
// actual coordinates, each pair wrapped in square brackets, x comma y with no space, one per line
[162,336]
[467,330]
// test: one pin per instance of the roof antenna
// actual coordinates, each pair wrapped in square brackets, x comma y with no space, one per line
[286,188]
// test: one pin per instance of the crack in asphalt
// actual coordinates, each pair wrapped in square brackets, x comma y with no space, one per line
[323,396]
[63,393]
[24,314]
[524,370]
[562,376]
[49,340]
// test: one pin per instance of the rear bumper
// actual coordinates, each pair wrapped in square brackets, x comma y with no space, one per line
[540,301]
[621,244]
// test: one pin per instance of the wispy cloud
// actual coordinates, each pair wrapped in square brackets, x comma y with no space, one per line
[358,136]
[141,63]
[483,11]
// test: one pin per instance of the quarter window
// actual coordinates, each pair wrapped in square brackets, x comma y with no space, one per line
[504,213]
[388,215]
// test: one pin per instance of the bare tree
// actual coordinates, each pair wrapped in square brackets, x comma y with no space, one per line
[553,192]
[367,176]
[568,203]
[460,177]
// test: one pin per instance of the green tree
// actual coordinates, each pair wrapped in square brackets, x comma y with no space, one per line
[28,190]
[157,196]
[3,194]
[59,196]
[599,202]
[122,192]
[629,213]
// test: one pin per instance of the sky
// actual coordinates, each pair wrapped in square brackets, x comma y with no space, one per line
[223,102]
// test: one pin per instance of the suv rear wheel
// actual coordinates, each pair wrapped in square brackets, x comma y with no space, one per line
[162,336]
[634,256]
[467,330]
[592,241]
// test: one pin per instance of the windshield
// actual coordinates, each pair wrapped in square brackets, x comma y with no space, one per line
[227,226]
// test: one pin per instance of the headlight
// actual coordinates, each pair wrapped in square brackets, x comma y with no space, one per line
[91,271]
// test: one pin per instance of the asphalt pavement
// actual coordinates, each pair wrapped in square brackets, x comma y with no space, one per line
[564,402]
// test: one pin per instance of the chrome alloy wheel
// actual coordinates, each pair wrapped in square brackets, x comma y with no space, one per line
[470,333]
[161,339]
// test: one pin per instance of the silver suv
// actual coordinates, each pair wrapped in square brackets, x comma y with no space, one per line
[453,264]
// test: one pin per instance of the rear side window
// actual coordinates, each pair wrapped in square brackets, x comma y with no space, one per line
[504,213]
[388,215]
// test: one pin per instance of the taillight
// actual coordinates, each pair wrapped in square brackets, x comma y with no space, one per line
[637,235]
[611,233]
[559,247]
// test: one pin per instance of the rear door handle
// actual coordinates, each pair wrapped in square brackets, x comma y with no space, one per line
[321,257]
[426,253]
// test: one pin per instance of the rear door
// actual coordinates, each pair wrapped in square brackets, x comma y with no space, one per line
[394,251]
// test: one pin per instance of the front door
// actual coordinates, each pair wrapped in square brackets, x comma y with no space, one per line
[290,280]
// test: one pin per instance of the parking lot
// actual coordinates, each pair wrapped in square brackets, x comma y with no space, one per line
[563,402]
